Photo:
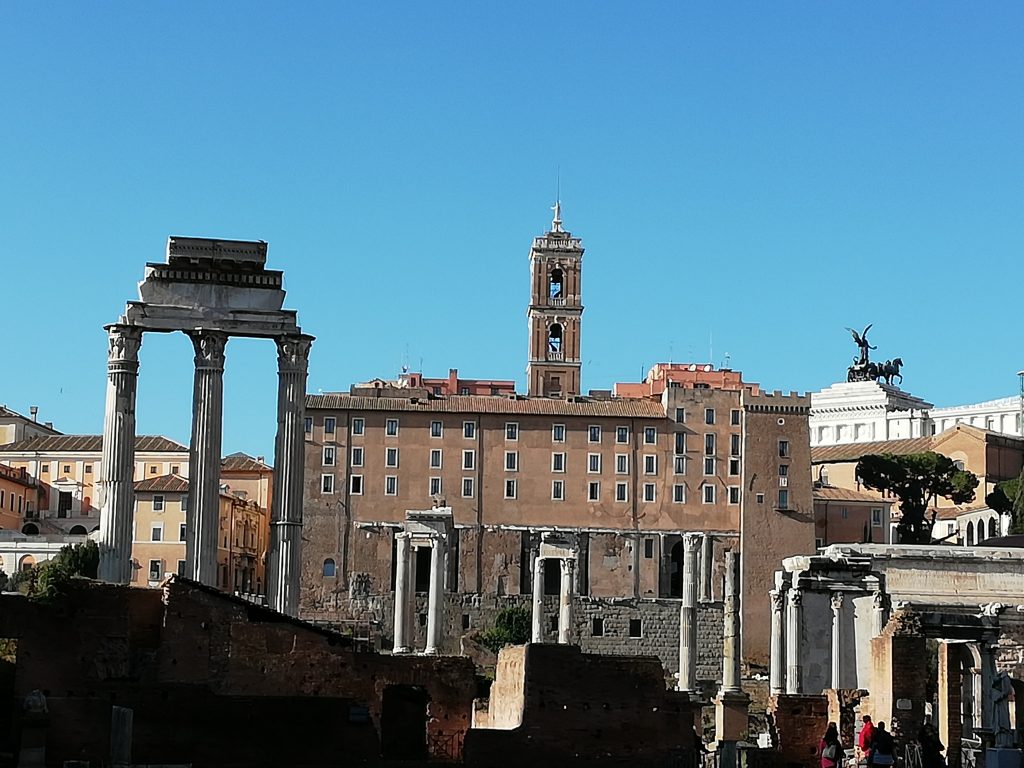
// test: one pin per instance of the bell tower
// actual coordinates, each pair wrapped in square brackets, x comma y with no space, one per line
[556,261]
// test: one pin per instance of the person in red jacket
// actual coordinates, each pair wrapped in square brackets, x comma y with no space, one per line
[867,735]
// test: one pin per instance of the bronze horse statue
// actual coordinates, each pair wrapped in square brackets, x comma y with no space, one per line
[888,370]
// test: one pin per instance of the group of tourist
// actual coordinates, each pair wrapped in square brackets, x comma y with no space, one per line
[877,748]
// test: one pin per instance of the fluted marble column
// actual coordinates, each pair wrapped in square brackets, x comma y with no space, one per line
[880,613]
[435,597]
[731,634]
[202,519]
[565,598]
[707,558]
[537,633]
[777,670]
[688,616]
[117,467]
[794,627]
[837,639]
[289,468]
[401,638]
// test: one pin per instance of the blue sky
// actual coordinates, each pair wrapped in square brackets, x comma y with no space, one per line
[764,174]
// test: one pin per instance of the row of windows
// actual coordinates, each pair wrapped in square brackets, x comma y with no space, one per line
[160,503]
[558,431]
[11,500]
[156,532]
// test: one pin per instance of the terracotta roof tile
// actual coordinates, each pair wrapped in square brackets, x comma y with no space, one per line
[824,454]
[492,404]
[242,462]
[91,444]
[162,484]
[832,493]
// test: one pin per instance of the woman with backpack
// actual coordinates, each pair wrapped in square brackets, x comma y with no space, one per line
[831,750]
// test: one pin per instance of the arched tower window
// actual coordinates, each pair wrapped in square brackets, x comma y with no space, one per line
[555,338]
[993,529]
[556,284]
[330,569]
[970,534]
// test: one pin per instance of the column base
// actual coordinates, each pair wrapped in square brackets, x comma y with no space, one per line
[431,651]
[731,715]
[400,650]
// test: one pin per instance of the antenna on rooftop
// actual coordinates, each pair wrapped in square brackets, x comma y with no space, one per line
[711,345]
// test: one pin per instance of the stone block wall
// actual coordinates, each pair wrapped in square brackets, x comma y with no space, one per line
[797,723]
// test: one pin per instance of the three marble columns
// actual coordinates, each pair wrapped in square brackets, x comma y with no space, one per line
[565,599]
[405,592]
[117,494]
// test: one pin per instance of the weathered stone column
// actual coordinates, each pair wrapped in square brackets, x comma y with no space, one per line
[731,634]
[401,639]
[707,563]
[289,468]
[565,598]
[794,626]
[880,614]
[202,519]
[987,677]
[688,616]
[117,468]
[837,639]
[537,635]
[777,669]
[435,597]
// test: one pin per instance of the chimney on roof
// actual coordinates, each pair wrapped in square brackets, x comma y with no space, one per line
[261,459]
[34,411]
[48,424]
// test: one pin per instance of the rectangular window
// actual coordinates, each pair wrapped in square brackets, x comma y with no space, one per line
[327,483]
[390,485]
[734,445]
[511,461]
[636,628]
[467,487]
[181,567]
[709,465]
[876,517]
[784,449]
[649,492]
[650,464]
[648,549]
[650,435]
[510,489]
[469,430]
[622,435]
[435,486]
[308,425]
[593,491]
[156,532]
[356,485]
[391,428]
[783,470]
[156,568]
[328,456]
[679,465]
[558,462]
[511,431]
[594,433]
[680,443]
[734,417]
[390,457]
[435,458]
[558,433]
[680,415]
[621,493]
[709,415]
[709,444]
[594,462]
[469,459]
[709,494]
[435,429]
[175,469]
[158,503]
[597,627]
[358,426]
[760,498]
[182,532]
[734,494]
[783,498]
[734,467]
[622,463]
[679,494]
[184,502]
[357,456]
[330,424]
[557,490]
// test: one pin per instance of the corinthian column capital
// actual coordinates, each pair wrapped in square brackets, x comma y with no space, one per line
[293,352]
[124,342]
[209,347]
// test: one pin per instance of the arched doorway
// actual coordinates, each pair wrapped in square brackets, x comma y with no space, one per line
[26,563]
[78,530]
[970,534]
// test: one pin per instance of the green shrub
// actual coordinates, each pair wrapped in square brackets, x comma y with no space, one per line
[511,627]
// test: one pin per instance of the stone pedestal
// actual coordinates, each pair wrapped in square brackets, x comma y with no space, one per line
[202,518]
[731,712]
[117,468]
[289,469]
